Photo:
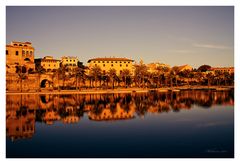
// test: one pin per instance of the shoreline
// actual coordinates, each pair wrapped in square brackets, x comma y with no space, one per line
[123,90]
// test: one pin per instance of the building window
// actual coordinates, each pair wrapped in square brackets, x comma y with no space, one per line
[30,52]
[102,61]
[126,65]
[112,65]
[67,60]
[124,62]
[115,61]
[20,44]
[70,60]
[120,65]
[27,52]
[95,64]
[17,53]
[107,61]
[98,61]
[111,61]
[15,44]
[128,62]
[103,65]
[120,62]
[49,65]
[54,65]
[6,52]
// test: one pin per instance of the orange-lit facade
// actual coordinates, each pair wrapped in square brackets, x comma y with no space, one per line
[19,54]
[119,64]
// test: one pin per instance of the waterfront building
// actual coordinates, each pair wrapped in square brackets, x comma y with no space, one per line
[20,54]
[184,67]
[153,67]
[70,62]
[230,70]
[48,63]
[119,64]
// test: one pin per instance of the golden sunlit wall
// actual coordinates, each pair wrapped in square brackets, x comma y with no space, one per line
[106,64]
[48,63]
[70,62]
[20,53]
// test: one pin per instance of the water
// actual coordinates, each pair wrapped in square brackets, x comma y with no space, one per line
[181,124]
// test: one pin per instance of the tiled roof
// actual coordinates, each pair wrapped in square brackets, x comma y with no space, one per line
[110,59]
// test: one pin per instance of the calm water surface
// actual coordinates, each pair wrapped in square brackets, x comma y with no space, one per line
[181,124]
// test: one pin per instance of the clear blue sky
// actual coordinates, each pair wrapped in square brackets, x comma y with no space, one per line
[172,35]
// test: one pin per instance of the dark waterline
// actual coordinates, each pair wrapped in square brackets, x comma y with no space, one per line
[182,124]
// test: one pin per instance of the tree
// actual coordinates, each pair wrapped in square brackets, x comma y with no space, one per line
[204,68]
[186,75]
[21,71]
[112,75]
[140,74]
[226,77]
[209,78]
[79,75]
[199,77]
[126,76]
[61,73]
[96,72]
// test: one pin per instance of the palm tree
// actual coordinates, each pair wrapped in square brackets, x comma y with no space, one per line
[79,74]
[61,72]
[209,77]
[21,71]
[186,75]
[166,72]
[199,76]
[226,77]
[96,72]
[112,75]
[218,77]
[125,75]
[140,74]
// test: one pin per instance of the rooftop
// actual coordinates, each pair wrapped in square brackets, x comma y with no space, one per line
[110,59]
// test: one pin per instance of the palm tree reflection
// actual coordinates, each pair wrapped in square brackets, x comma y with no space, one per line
[23,110]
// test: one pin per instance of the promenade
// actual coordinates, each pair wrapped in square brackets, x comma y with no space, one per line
[122,90]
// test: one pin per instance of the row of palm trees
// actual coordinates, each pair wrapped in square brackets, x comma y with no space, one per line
[142,78]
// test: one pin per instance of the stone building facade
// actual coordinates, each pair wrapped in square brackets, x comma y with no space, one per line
[20,54]
[48,63]
[106,64]
[70,62]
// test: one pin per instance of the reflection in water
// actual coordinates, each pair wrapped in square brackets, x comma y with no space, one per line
[24,110]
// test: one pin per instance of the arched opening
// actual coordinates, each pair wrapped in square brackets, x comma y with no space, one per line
[45,83]
[27,60]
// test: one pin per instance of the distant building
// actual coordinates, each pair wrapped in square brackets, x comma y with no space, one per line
[184,67]
[48,63]
[119,64]
[222,69]
[19,54]
[70,62]
[152,67]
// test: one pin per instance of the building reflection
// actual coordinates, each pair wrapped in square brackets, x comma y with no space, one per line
[23,111]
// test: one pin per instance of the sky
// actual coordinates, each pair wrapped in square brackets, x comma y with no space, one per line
[193,35]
